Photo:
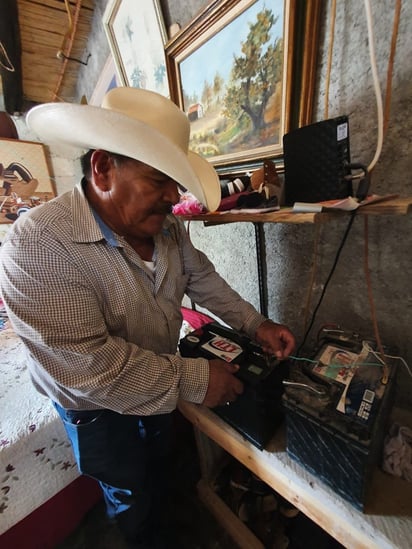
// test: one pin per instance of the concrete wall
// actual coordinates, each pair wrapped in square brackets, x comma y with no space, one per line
[290,249]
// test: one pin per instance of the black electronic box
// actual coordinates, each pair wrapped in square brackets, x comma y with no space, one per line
[317,162]
[336,408]
[258,411]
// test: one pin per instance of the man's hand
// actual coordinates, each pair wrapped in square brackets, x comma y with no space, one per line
[275,339]
[223,386]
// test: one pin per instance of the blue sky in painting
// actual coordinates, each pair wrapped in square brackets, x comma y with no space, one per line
[203,64]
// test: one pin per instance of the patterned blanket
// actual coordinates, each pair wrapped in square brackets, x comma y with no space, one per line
[36,460]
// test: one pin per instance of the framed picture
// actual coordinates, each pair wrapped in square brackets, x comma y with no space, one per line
[108,79]
[137,37]
[241,72]
[25,180]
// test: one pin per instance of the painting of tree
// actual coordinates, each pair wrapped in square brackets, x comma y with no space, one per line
[232,88]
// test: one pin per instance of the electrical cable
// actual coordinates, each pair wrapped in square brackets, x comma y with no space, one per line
[345,236]
[385,122]
[338,365]
[330,52]
[68,37]
[385,377]
[326,114]
[312,276]
[376,84]
[389,73]
[70,27]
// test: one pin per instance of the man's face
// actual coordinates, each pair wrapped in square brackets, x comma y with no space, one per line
[133,198]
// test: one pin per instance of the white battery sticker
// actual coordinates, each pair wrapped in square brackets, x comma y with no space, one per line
[223,348]
[342,131]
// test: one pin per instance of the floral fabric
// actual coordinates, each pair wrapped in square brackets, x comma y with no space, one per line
[36,459]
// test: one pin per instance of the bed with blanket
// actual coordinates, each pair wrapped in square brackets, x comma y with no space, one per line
[42,495]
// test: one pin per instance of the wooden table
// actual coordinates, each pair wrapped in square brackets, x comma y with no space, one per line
[385,523]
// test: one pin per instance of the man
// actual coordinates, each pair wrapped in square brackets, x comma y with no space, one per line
[93,282]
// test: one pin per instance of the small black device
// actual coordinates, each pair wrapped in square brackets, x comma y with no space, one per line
[336,410]
[257,412]
[317,162]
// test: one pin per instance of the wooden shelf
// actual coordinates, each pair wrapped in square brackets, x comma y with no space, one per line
[395,206]
[386,522]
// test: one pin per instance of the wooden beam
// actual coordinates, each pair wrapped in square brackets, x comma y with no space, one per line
[10,57]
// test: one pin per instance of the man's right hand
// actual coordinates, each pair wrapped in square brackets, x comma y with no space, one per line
[223,386]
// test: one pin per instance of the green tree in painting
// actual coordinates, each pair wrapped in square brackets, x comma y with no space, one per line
[255,74]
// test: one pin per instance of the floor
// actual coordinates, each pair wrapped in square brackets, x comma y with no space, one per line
[277,524]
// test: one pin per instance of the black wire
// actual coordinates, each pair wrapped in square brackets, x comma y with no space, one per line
[345,236]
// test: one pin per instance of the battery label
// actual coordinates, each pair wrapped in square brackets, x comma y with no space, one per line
[223,348]
[342,131]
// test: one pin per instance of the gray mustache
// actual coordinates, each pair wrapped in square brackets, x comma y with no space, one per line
[164,210]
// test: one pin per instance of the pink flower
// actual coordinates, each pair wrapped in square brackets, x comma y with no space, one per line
[188,205]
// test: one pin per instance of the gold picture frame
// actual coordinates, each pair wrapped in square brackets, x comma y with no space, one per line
[108,79]
[25,180]
[137,36]
[243,71]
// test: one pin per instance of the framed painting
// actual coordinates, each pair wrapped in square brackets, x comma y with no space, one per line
[108,79]
[137,37]
[25,180]
[241,70]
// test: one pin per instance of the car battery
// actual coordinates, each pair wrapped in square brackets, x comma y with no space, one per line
[257,412]
[337,408]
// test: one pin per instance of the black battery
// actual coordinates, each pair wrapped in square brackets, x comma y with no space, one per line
[337,409]
[258,412]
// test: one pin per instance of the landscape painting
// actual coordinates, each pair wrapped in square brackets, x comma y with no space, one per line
[232,85]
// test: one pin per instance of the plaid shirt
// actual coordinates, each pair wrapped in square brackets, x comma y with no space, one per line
[101,330]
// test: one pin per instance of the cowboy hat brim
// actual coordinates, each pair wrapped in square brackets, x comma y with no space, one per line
[89,127]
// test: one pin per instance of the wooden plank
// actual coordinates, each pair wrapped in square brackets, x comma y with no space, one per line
[240,533]
[386,523]
[396,206]
[282,216]
[57,4]
[38,17]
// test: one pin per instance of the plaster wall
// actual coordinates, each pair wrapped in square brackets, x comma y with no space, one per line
[290,250]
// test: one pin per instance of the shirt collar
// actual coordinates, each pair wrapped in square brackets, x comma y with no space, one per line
[88,226]
[107,232]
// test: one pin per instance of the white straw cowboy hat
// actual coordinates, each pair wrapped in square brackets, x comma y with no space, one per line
[137,123]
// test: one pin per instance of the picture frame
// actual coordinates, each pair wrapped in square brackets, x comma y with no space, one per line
[137,37]
[108,79]
[25,180]
[255,80]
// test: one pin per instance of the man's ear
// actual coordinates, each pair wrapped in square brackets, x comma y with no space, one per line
[101,165]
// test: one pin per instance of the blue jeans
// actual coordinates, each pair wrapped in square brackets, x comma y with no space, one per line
[130,458]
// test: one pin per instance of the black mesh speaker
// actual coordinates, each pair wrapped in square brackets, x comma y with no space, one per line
[317,159]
